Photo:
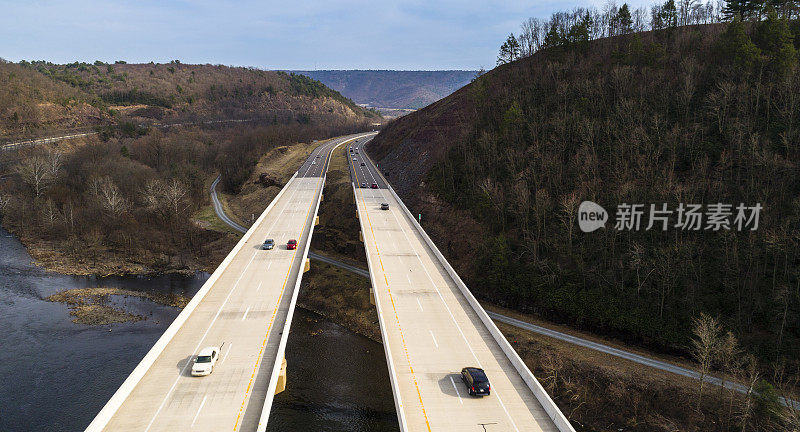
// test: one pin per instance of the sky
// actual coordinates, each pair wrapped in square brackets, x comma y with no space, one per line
[289,35]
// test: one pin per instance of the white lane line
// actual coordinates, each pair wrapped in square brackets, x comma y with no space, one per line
[456,389]
[451,313]
[199,409]
[189,363]
[245,313]
[420,305]
[434,339]
[230,347]
[259,284]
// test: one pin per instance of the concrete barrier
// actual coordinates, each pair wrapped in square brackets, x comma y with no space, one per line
[104,416]
[276,370]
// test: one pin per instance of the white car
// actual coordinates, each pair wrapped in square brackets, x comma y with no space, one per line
[205,361]
[313,162]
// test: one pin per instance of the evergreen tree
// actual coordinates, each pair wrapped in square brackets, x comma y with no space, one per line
[578,35]
[553,38]
[624,19]
[509,51]
[745,9]
[735,46]
[776,42]
[669,14]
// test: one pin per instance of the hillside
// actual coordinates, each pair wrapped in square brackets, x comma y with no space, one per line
[134,198]
[393,89]
[698,114]
[39,98]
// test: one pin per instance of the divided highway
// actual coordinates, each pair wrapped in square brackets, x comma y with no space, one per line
[432,327]
[245,308]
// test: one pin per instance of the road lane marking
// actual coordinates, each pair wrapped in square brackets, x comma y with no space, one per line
[420,305]
[189,363]
[245,313]
[499,399]
[443,302]
[456,389]
[394,308]
[260,283]
[199,409]
[316,189]
[434,339]
[230,347]
[235,285]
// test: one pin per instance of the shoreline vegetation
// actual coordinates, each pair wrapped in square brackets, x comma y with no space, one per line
[97,306]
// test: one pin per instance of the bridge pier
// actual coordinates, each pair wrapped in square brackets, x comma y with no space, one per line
[281,386]
[371,296]
[360,236]
[316,220]
[307,265]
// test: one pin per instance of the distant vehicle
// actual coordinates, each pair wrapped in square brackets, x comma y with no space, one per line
[385,206]
[205,361]
[476,381]
[363,185]
[354,159]
[362,163]
[351,149]
[291,244]
[313,162]
[356,151]
[268,244]
[317,156]
[374,185]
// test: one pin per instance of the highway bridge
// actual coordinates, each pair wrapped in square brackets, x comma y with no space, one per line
[245,308]
[432,326]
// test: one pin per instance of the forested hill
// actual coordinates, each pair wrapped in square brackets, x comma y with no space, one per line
[393,89]
[38,98]
[696,114]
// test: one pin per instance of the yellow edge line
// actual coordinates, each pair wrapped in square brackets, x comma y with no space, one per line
[394,308]
[275,311]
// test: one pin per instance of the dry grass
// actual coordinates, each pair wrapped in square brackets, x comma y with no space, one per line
[92,306]
[279,164]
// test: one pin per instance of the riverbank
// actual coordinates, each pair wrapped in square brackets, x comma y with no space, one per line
[97,306]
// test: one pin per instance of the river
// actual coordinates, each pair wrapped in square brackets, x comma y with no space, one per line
[56,375]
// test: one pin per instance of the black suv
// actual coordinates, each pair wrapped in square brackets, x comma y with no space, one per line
[476,381]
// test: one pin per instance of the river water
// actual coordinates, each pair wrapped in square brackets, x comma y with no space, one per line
[56,375]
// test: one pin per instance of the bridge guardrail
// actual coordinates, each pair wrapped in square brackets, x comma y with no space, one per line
[547,403]
[107,412]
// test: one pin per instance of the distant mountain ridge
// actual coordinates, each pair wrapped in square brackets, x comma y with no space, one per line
[393,89]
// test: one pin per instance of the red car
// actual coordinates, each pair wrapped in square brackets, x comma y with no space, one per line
[374,185]
[292,244]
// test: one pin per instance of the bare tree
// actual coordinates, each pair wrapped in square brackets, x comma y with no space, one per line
[175,195]
[753,375]
[50,212]
[54,162]
[110,198]
[705,345]
[4,201]
[569,207]
[35,172]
